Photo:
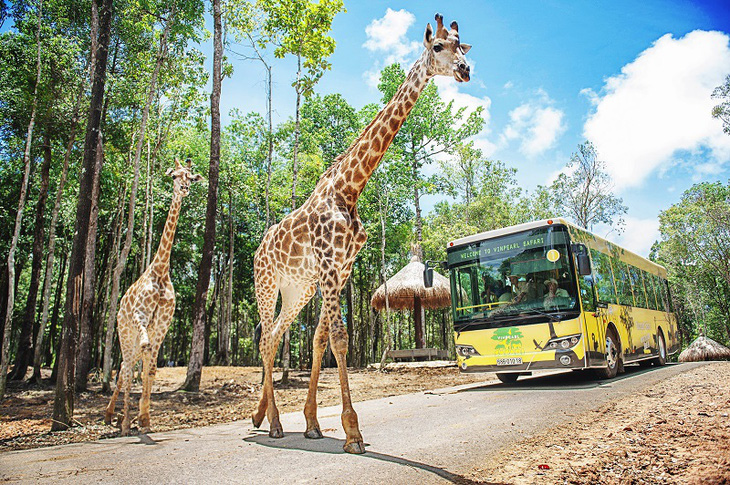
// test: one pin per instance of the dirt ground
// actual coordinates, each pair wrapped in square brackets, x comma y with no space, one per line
[676,432]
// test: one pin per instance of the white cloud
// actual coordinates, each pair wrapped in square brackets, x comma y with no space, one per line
[386,36]
[536,124]
[638,236]
[657,111]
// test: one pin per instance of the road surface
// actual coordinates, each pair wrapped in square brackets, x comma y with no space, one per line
[432,437]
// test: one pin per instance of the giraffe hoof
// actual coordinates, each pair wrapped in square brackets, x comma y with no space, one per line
[256,422]
[313,434]
[276,433]
[355,447]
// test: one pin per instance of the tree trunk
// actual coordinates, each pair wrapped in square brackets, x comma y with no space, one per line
[195,366]
[111,319]
[63,405]
[383,203]
[83,355]
[5,352]
[224,345]
[25,351]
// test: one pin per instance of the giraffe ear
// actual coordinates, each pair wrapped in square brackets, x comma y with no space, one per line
[428,37]
[465,48]
[197,178]
[169,172]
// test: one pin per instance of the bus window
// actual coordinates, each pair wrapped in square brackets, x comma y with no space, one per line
[637,282]
[662,293]
[602,277]
[623,285]
[651,291]
[669,296]
[587,293]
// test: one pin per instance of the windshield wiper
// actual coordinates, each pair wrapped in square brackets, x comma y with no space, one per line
[552,317]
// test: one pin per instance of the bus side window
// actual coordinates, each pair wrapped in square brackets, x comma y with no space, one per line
[623,285]
[651,291]
[661,284]
[603,279]
[669,295]
[638,284]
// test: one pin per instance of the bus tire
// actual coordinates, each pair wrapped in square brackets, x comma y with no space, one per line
[509,377]
[661,359]
[613,356]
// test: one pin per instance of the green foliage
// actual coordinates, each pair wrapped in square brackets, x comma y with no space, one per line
[722,110]
[695,250]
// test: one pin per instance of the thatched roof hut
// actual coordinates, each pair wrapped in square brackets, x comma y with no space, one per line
[704,348]
[407,285]
[406,291]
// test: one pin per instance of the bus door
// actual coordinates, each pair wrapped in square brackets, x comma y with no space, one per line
[595,320]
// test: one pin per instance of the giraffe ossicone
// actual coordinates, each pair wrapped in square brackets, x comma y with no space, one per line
[316,244]
[146,310]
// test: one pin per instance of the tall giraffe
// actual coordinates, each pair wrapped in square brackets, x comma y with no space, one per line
[146,309]
[317,243]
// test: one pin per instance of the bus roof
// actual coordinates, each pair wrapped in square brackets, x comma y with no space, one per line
[626,254]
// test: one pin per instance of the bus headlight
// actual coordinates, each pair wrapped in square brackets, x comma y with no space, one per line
[466,351]
[562,343]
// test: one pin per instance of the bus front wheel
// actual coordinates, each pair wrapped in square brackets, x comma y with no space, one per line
[508,378]
[613,356]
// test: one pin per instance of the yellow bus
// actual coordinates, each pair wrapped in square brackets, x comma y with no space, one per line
[550,295]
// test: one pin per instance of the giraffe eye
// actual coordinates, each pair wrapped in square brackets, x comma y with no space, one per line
[438,48]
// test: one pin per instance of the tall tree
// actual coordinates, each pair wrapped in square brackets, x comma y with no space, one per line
[695,249]
[63,405]
[195,365]
[5,352]
[24,353]
[585,192]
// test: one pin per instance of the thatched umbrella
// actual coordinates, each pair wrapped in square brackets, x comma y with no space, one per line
[704,348]
[407,292]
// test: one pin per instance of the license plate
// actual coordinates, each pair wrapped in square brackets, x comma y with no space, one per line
[510,361]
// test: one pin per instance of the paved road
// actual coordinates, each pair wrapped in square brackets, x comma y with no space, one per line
[432,437]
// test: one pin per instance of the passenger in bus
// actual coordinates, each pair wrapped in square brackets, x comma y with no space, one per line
[553,292]
[522,289]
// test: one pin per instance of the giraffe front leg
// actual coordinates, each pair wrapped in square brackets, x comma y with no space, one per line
[113,401]
[310,408]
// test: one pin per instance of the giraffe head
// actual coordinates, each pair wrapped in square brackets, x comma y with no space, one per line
[182,177]
[446,54]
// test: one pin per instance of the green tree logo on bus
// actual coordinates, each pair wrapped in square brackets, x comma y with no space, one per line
[509,341]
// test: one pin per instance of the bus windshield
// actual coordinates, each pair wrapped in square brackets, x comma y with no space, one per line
[516,275]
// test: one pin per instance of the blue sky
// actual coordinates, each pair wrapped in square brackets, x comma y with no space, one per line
[633,77]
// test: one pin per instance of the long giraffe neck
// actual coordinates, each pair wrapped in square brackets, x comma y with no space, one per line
[161,263]
[362,158]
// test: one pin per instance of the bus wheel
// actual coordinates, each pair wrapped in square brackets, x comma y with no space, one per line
[613,357]
[508,378]
[662,357]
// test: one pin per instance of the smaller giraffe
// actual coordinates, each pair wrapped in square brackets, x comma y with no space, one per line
[146,310]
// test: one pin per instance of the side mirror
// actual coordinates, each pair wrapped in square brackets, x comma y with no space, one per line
[583,261]
[428,275]
[584,265]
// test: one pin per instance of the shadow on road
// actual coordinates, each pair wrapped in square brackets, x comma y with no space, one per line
[575,380]
[297,441]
